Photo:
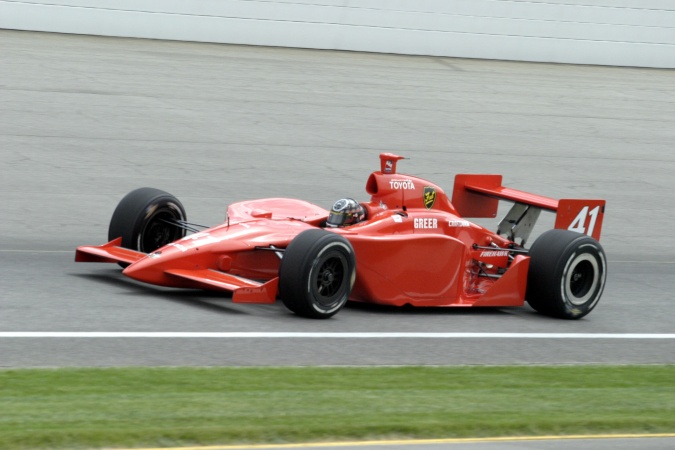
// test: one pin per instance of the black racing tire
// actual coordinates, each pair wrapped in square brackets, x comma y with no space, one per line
[143,220]
[317,274]
[567,274]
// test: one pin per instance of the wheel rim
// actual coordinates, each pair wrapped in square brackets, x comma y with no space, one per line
[160,229]
[329,279]
[581,279]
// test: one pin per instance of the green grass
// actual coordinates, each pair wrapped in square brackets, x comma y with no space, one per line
[131,407]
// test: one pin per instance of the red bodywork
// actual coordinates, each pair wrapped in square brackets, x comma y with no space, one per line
[415,247]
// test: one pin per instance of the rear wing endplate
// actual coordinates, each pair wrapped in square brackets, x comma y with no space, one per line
[478,195]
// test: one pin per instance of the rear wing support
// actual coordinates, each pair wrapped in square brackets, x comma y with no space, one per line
[519,222]
[478,195]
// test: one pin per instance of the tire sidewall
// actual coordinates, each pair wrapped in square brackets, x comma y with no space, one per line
[299,271]
[341,251]
[159,205]
[582,252]
[556,258]
[135,214]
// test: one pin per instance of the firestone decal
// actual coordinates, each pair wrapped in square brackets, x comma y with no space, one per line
[429,196]
[425,223]
[401,184]
[493,254]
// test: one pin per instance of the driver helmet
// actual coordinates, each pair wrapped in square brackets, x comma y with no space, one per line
[344,212]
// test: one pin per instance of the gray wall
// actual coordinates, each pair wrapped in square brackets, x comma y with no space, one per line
[606,32]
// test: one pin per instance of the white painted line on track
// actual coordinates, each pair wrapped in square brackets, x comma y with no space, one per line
[406,442]
[324,335]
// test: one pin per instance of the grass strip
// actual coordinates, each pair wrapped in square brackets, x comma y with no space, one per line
[170,407]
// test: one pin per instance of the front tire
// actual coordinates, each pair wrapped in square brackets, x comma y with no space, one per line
[317,274]
[567,274]
[146,219]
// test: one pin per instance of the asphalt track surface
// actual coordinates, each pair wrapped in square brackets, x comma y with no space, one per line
[84,120]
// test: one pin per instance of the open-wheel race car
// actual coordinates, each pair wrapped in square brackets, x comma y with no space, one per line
[409,245]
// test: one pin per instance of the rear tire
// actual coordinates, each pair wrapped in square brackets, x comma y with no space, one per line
[143,220]
[317,274]
[567,274]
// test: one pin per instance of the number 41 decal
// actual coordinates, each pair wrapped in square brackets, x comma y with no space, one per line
[581,216]
[579,222]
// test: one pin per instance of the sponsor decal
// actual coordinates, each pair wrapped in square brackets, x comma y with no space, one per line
[201,238]
[396,218]
[494,254]
[425,223]
[388,166]
[180,247]
[194,237]
[429,196]
[459,223]
[402,184]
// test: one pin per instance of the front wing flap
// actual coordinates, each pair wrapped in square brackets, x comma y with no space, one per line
[243,290]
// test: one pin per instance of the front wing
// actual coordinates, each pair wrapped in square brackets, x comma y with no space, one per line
[243,290]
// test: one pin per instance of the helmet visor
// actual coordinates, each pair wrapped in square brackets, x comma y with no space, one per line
[339,213]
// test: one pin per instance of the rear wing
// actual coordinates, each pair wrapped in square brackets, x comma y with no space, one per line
[478,196]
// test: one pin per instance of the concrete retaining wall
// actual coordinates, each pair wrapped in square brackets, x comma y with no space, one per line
[606,32]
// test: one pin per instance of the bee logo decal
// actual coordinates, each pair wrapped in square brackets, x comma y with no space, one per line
[429,196]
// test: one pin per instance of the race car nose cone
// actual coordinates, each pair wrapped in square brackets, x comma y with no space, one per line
[146,270]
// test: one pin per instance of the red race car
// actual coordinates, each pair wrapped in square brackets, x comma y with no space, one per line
[408,245]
